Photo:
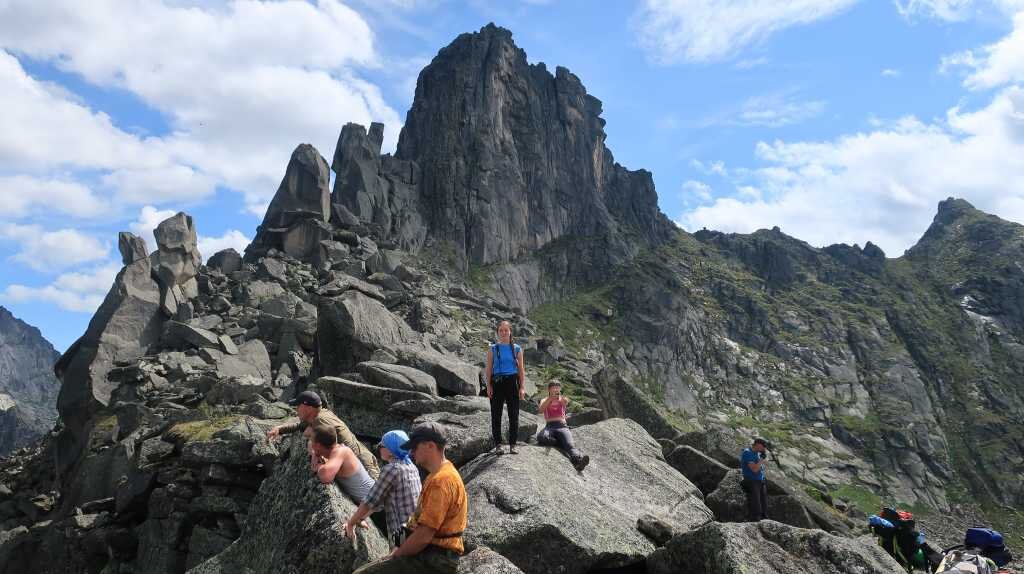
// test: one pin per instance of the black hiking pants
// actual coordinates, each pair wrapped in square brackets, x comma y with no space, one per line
[757,499]
[558,434]
[506,391]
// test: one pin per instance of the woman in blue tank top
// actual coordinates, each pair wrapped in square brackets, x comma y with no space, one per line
[505,379]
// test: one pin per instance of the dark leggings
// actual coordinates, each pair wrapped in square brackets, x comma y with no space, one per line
[557,434]
[506,391]
[757,499]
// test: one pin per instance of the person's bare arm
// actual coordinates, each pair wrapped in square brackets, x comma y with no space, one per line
[522,374]
[755,467]
[487,373]
[416,541]
[330,469]
[357,517]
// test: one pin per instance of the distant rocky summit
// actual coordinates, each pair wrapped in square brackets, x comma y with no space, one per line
[28,389]
[880,380]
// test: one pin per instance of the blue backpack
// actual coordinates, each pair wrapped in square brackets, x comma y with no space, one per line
[982,538]
[989,544]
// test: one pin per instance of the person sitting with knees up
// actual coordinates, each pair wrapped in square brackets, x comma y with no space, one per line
[336,462]
[556,432]
[396,490]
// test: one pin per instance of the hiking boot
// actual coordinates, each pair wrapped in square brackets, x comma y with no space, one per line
[512,449]
[581,462]
[497,448]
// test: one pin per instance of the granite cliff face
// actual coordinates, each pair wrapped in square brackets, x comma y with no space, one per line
[499,159]
[28,389]
[881,380]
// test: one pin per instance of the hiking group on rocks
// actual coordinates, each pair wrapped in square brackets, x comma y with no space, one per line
[162,459]
[425,523]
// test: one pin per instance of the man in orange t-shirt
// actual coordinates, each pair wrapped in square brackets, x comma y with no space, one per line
[435,542]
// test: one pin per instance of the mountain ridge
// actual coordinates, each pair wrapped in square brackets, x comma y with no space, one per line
[880,380]
[27,385]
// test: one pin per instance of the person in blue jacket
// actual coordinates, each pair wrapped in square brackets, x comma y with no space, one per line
[505,380]
[752,462]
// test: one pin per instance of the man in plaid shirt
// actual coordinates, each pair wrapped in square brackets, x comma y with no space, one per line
[397,489]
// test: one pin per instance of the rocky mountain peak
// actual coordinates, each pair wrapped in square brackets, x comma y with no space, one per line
[952,208]
[28,389]
[498,158]
[960,231]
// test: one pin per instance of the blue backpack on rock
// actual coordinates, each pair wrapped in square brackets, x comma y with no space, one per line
[989,544]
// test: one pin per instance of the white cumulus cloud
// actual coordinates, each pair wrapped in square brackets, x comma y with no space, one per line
[674,31]
[78,291]
[883,185]
[24,195]
[994,65]
[232,238]
[149,218]
[45,250]
[241,84]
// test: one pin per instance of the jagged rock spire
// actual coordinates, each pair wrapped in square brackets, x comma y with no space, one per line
[296,219]
[503,156]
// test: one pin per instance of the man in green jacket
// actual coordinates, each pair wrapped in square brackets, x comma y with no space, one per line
[309,408]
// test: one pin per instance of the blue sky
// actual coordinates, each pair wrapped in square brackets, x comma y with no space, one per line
[837,120]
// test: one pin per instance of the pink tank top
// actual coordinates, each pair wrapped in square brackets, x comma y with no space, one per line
[554,410]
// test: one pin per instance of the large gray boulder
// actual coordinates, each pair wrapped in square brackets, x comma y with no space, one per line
[483,560]
[469,435]
[176,261]
[701,469]
[453,376]
[367,408]
[295,525]
[351,327]
[132,247]
[126,324]
[768,547]
[251,360]
[534,509]
[620,398]
[179,335]
[226,260]
[786,504]
[397,377]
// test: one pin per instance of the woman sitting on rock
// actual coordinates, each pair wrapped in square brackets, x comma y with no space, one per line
[556,431]
[336,462]
[505,380]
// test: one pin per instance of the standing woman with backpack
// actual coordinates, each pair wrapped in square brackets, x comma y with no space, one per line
[505,384]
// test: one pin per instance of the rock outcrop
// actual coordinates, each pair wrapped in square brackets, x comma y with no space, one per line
[575,522]
[28,389]
[295,222]
[771,548]
[299,527]
[512,157]
[175,264]
[127,322]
